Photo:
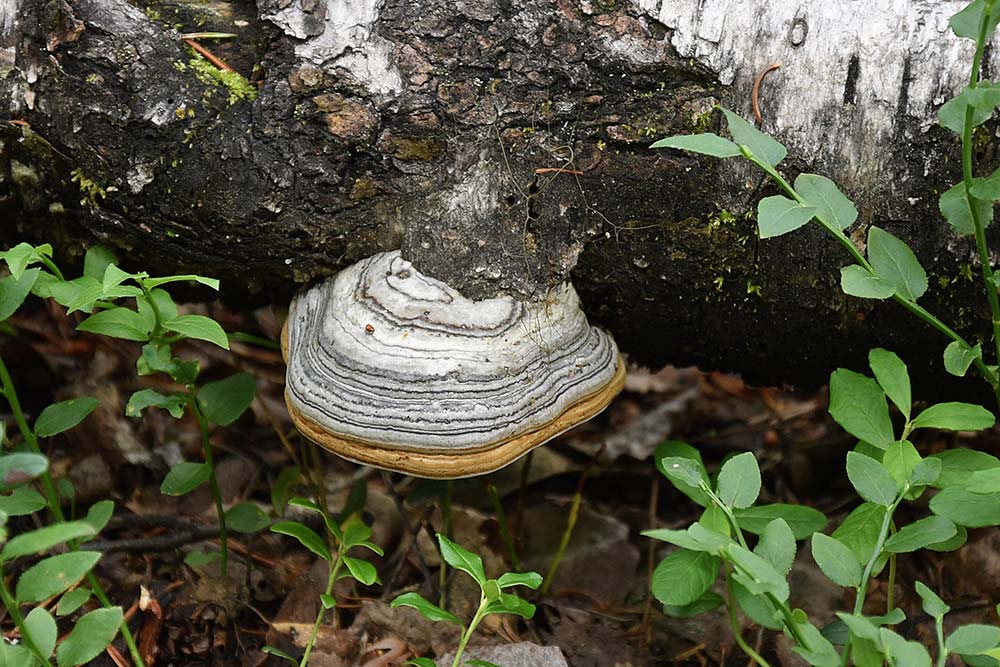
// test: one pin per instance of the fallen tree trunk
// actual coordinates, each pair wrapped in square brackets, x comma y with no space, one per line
[503,147]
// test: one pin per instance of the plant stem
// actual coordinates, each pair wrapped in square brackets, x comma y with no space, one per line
[213,480]
[942,656]
[883,534]
[574,513]
[735,626]
[331,580]
[980,230]
[52,498]
[508,543]
[447,519]
[15,612]
[469,630]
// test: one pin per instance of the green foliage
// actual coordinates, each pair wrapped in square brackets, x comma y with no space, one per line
[884,475]
[492,599]
[351,533]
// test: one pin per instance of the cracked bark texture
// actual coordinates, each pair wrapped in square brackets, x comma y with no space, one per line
[503,146]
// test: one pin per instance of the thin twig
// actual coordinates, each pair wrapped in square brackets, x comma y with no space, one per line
[209,56]
[558,170]
[756,90]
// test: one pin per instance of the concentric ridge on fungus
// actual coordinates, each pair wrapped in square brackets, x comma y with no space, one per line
[392,368]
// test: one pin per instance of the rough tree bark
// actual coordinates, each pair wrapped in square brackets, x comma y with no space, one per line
[503,146]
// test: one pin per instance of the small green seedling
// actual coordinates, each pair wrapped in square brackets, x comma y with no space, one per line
[885,470]
[344,537]
[492,599]
[155,321]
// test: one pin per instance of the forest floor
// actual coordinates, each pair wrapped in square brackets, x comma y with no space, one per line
[598,610]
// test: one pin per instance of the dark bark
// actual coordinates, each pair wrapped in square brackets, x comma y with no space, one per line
[511,155]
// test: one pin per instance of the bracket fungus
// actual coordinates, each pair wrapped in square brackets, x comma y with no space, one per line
[394,369]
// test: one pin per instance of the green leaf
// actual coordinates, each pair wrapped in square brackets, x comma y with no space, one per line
[96,261]
[756,574]
[530,579]
[184,478]
[858,404]
[157,358]
[904,653]
[871,479]
[246,518]
[72,601]
[511,604]
[836,561]
[328,601]
[64,415]
[777,215]
[704,604]
[675,449]
[763,147]
[955,417]
[757,607]
[431,612]
[224,401]
[968,22]
[832,206]
[355,532]
[972,510]
[54,575]
[958,358]
[361,570]
[419,662]
[196,558]
[685,540]
[147,398]
[272,650]
[188,277]
[739,481]
[116,322]
[890,373]
[856,280]
[306,536]
[99,514]
[42,629]
[21,467]
[21,501]
[803,521]
[199,327]
[331,524]
[43,539]
[984,481]
[894,262]
[973,638]
[860,530]
[706,143]
[777,546]
[932,604]
[480,663]
[958,465]
[683,470]
[901,459]
[14,290]
[954,206]
[463,560]
[684,576]
[284,488]
[90,636]
[920,534]
[954,543]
